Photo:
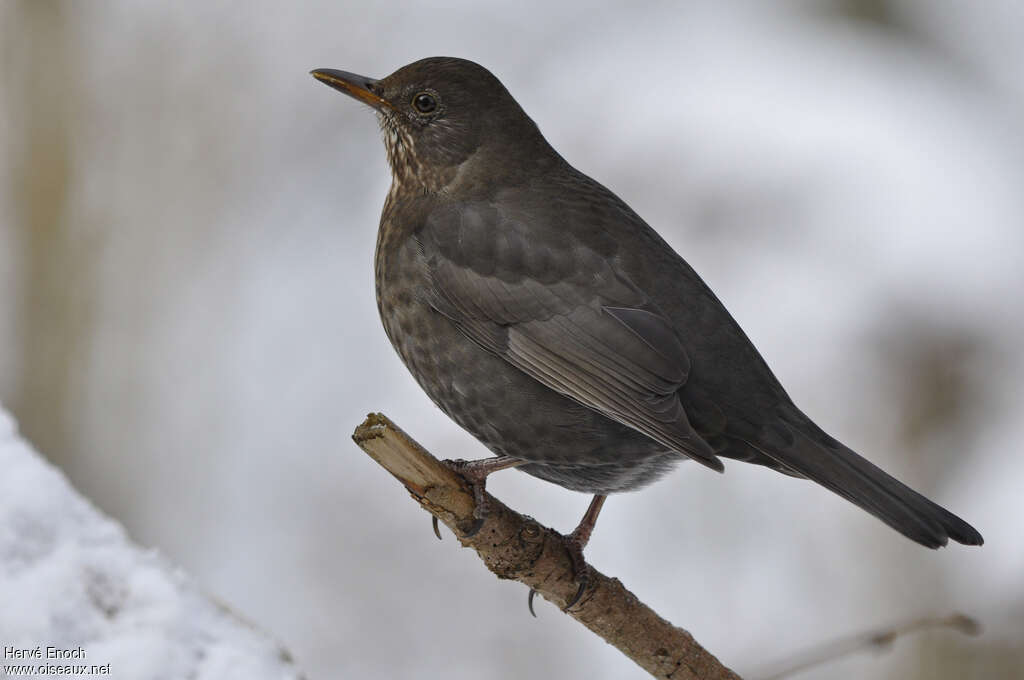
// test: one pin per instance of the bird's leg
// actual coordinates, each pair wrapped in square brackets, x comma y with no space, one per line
[475,472]
[580,536]
[575,543]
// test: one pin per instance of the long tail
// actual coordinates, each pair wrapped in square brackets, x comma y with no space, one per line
[839,469]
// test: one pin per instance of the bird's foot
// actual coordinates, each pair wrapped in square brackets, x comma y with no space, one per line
[580,571]
[475,473]
[575,543]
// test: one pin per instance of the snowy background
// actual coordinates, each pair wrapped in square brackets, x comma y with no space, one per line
[72,581]
[188,328]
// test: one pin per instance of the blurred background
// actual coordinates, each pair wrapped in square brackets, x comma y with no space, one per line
[188,326]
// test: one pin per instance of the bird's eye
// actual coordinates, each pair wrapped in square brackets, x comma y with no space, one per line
[424,102]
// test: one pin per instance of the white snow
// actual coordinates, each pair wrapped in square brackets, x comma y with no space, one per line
[70,579]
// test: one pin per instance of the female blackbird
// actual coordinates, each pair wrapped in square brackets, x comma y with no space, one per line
[549,320]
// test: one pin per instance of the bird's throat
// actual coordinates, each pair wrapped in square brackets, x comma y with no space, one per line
[406,168]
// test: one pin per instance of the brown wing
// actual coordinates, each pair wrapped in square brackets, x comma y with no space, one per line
[561,314]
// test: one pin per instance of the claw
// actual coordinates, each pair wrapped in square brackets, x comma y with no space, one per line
[576,541]
[478,524]
[582,575]
[581,572]
[579,567]
[584,581]
[473,530]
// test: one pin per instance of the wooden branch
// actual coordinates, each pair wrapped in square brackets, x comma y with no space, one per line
[514,546]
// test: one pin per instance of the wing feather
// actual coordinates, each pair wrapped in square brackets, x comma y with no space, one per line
[578,327]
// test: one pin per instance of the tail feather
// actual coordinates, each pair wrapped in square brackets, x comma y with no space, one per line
[842,471]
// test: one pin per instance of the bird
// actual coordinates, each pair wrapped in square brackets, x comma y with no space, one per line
[549,320]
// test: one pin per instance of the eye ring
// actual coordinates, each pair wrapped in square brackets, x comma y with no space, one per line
[425,102]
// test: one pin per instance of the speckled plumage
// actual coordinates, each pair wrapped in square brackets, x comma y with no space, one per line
[549,320]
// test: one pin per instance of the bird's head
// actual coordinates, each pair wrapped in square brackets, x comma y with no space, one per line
[441,118]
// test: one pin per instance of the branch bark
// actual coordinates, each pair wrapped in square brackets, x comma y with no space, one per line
[515,546]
